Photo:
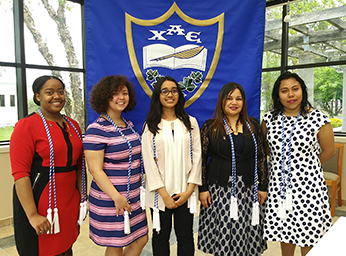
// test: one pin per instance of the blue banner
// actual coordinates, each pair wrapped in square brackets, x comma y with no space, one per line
[202,44]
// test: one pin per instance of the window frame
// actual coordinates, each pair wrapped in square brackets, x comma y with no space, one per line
[284,49]
[21,66]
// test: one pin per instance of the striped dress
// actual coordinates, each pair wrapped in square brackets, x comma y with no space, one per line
[107,229]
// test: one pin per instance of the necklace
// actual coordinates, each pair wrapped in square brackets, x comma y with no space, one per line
[67,129]
[236,127]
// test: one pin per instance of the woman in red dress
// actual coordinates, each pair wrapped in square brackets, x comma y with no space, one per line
[46,158]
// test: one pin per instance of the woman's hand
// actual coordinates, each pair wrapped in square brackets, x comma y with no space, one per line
[170,203]
[40,224]
[121,205]
[205,199]
[181,198]
[262,195]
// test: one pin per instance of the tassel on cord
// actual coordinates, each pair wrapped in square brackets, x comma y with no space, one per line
[282,209]
[193,203]
[126,223]
[49,218]
[56,221]
[85,209]
[156,220]
[255,214]
[289,205]
[142,197]
[81,213]
[234,208]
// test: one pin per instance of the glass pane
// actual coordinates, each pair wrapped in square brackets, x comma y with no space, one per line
[43,44]
[326,91]
[74,105]
[317,31]
[272,39]
[6,31]
[8,113]
[329,92]
[268,80]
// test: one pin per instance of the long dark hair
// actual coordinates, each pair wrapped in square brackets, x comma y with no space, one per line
[155,113]
[218,125]
[277,106]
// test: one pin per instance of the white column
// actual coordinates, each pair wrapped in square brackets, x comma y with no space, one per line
[344,101]
[307,74]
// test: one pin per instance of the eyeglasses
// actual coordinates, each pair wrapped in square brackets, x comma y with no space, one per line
[165,92]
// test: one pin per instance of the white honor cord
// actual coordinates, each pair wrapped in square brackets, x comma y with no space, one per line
[193,203]
[156,220]
[126,223]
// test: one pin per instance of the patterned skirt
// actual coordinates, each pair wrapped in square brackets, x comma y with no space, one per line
[220,235]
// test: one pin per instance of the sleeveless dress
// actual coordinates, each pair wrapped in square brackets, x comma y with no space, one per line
[107,229]
[310,218]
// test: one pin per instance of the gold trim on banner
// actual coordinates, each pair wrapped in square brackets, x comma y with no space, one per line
[174,8]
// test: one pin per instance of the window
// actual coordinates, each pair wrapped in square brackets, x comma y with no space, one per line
[12,101]
[312,44]
[43,41]
[2,100]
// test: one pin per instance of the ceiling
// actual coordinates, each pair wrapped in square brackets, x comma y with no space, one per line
[278,2]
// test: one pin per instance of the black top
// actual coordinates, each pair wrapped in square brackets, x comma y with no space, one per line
[217,156]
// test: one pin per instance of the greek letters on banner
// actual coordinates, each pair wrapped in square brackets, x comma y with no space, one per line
[202,44]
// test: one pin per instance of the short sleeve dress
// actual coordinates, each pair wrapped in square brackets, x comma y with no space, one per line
[107,229]
[29,152]
[310,218]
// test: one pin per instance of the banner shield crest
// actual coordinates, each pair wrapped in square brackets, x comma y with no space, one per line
[176,45]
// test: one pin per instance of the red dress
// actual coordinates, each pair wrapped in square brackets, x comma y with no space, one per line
[29,153]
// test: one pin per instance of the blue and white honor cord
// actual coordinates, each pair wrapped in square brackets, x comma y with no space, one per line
[234,203]
[55,221]
[83,200]
[193,202]
[126,214]
[83,210]
[285,202]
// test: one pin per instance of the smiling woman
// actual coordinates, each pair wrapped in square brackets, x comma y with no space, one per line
[113,153]
[46,159]
[299,140]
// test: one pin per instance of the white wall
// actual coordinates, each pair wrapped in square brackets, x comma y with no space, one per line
[8,114]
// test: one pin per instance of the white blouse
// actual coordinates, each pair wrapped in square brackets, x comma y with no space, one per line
[174,168]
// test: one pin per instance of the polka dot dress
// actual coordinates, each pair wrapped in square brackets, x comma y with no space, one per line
[310,218]
[219,235]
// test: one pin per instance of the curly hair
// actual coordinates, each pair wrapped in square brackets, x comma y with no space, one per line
[277,105]
[104,90]
[155,112]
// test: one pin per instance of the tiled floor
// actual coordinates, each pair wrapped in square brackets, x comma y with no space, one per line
[85,247]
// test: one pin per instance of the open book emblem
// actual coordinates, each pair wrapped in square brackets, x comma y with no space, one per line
[176,45]
[186,56]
